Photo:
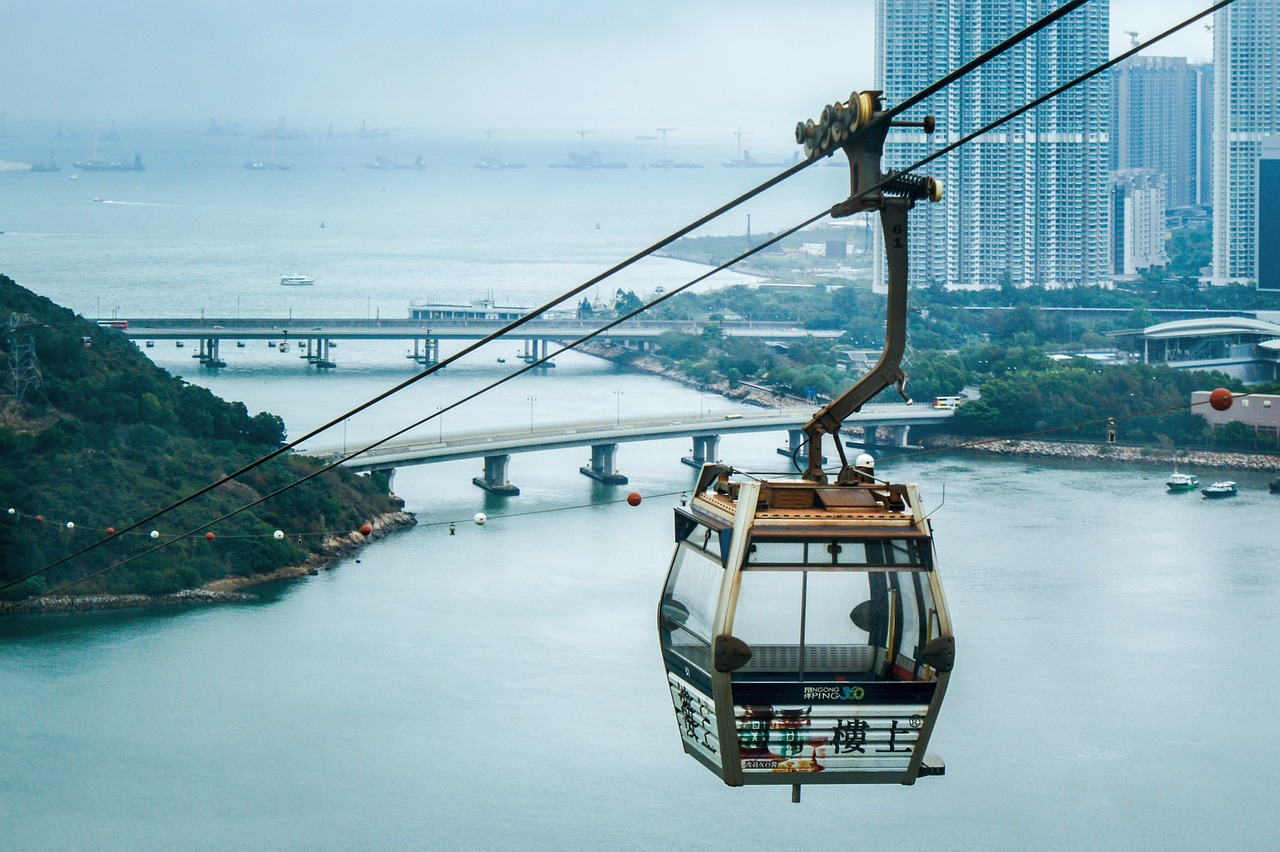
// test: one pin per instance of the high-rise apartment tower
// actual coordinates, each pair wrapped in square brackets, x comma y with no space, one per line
[1028,203]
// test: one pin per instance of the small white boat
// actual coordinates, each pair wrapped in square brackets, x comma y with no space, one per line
[296,280]
[1226,488]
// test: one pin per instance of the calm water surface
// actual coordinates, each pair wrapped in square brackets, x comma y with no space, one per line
[501,687]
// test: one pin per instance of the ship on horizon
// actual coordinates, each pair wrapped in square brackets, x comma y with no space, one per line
[587,161]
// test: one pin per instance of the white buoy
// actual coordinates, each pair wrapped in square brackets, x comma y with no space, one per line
[71,525]
[155,534]
[278,534]
[480,518]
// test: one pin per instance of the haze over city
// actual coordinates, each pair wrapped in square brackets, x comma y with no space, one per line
[539,70]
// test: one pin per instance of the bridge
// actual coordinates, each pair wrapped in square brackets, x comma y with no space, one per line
[603,436]
[314,336]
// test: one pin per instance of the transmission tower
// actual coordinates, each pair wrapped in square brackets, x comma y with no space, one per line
[24,366]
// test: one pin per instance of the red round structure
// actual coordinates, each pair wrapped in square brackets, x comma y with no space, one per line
[208,536]
[633,499]
[366,530]
[111,530]
[1221,399]
[39,517]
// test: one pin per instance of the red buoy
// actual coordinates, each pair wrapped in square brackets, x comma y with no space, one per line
[633,499]
[111,530]
[208,536]
[39,517]
[1221,399]
[366,530]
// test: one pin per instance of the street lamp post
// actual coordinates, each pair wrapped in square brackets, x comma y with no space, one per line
[440,424]
[617,395]
[532,400]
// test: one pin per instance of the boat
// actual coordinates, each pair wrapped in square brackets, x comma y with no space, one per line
[49,165]
[96,165]
[496,162]
[296,280]
[267,166]
[587,161]
[1217,490]
[1180,482]
[674,164]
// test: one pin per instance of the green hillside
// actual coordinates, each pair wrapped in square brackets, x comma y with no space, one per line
[114,438]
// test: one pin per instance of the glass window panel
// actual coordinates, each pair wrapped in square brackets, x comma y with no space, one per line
[832,596]
[768,611]
[689,601]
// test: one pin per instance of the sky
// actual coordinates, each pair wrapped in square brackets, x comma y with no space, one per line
[461,66]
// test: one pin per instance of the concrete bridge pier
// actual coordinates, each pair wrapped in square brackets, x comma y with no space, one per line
[706,448]
[495,476]
[535,349]
[208,353]
[900,435]
[320,356]
[603,467]
[797,439]
[426,351]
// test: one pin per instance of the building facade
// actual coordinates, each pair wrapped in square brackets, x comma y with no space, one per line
[1246,58]
[1029,203]
[1153,121]
[1269,214]
[1138,232]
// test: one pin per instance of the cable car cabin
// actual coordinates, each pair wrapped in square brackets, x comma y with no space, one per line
[805,633]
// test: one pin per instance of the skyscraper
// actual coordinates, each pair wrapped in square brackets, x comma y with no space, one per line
[1246,59]
[1153,117]
[1028,203]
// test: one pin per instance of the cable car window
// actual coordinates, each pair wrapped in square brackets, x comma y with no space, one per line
[688,607]
[830,602]
[768,611]
[903,553]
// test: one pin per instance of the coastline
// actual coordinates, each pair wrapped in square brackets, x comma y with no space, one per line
[1128,454]
[227,589]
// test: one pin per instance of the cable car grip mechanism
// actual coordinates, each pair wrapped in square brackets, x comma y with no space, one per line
[860,127]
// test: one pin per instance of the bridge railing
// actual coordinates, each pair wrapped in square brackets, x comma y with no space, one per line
[698,421]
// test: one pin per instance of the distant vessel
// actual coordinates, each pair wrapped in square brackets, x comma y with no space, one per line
[267,166]
[674,164]
[1217,490]
[389,164]
[749,162]
[1179,482]
[367,132]
[296,280]
[96,165]
[587,161]
[49,165]
[496,162]
[223,128]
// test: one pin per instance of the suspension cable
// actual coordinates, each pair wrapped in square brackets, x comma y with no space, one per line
[505,330]
[776,238]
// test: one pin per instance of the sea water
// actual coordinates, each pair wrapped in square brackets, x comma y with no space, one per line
[500,687]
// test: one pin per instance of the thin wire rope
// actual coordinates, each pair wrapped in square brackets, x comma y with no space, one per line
[1088,75]
[613,270]
[1022,35]
[355,454]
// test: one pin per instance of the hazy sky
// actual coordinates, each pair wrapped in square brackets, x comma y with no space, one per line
[543,69]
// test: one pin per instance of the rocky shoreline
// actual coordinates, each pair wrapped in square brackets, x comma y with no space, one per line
[228,589]
[1155,456]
